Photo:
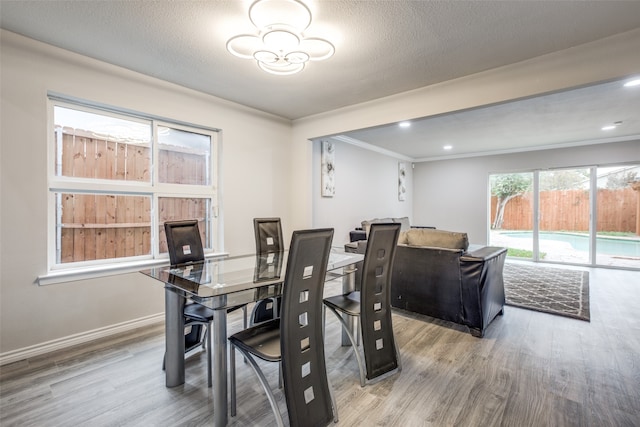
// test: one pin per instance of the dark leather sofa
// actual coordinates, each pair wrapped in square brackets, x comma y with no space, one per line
[437,273]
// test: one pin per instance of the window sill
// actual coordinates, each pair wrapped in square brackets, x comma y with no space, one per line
[72,275]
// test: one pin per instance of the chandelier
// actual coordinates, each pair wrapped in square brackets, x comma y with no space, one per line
[279,45]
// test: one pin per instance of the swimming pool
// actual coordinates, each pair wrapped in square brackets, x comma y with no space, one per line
[580,242]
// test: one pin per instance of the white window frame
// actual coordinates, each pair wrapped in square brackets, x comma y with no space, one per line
[63,272]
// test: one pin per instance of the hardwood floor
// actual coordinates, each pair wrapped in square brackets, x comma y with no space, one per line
[531,369]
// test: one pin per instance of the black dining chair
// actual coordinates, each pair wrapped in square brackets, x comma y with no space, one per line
[184,245]
[372,306]
[268,235]
[295,339]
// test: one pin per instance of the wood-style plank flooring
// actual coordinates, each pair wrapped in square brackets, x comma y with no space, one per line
[531,369]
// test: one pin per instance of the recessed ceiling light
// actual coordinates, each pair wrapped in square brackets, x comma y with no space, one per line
[613,126]
[631,83]
[404,124]
[448,147]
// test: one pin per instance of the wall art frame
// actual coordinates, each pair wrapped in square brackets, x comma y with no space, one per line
[402,181]
[327,178]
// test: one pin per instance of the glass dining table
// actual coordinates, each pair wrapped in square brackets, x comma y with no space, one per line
[220,284]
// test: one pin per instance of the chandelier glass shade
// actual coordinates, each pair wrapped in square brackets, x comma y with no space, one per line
[279,45]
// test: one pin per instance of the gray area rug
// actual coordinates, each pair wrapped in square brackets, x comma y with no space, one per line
[549,290]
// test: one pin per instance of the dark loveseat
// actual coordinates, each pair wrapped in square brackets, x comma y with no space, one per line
[438,274]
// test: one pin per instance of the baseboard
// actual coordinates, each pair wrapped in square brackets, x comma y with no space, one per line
[81,338]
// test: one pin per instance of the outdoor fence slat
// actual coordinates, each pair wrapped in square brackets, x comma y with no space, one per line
[110,161]
[101,159]
[110,219]
[137,163]
[172,166]
[138,232]
[120,161]
[131,162]
[129,216]
[163,165]
[78,157]
[144,164]
[121,235]
[146,234]
[67,155]
[185,208]
[90,158]
[191,169]
[101,231]
[78,233]
[89,201]
[66,236]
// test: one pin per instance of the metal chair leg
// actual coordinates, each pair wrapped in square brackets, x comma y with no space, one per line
[263,382]
[244,311]
[334,405]
[345,326]
[232,380]
[209,338]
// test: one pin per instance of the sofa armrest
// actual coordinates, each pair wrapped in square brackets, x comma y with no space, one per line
[482,286]
[357,247]
[357,234]
[482,253]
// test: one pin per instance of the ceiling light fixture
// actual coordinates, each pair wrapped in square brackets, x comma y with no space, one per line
[404,124]
[279,45]
[447,147]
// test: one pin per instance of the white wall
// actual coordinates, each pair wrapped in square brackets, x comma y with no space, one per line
[366,187]
[256,169]
[453,194]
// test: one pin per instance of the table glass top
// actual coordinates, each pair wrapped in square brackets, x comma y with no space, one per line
[216,277]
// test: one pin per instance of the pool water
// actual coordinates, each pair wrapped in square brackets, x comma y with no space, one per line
[580,242]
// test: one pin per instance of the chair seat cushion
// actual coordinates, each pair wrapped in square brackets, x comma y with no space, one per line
[198,312]
[201,313]
[349,303]
[262,340]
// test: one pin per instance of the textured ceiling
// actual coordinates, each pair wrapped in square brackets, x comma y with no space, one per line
[382,47]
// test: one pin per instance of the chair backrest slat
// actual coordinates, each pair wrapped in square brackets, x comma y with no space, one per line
[302,343]
[375,293]
[183,242]
[268,233]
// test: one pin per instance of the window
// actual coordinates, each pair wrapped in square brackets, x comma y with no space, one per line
[116,177]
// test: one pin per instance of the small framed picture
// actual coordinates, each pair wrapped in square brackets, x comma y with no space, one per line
[402,181]
[328,169]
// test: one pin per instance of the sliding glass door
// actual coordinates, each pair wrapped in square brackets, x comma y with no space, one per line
[564,214]
[584,216]
[617,237]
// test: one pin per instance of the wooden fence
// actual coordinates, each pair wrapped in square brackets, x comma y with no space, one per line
[103,226]
[568,210]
